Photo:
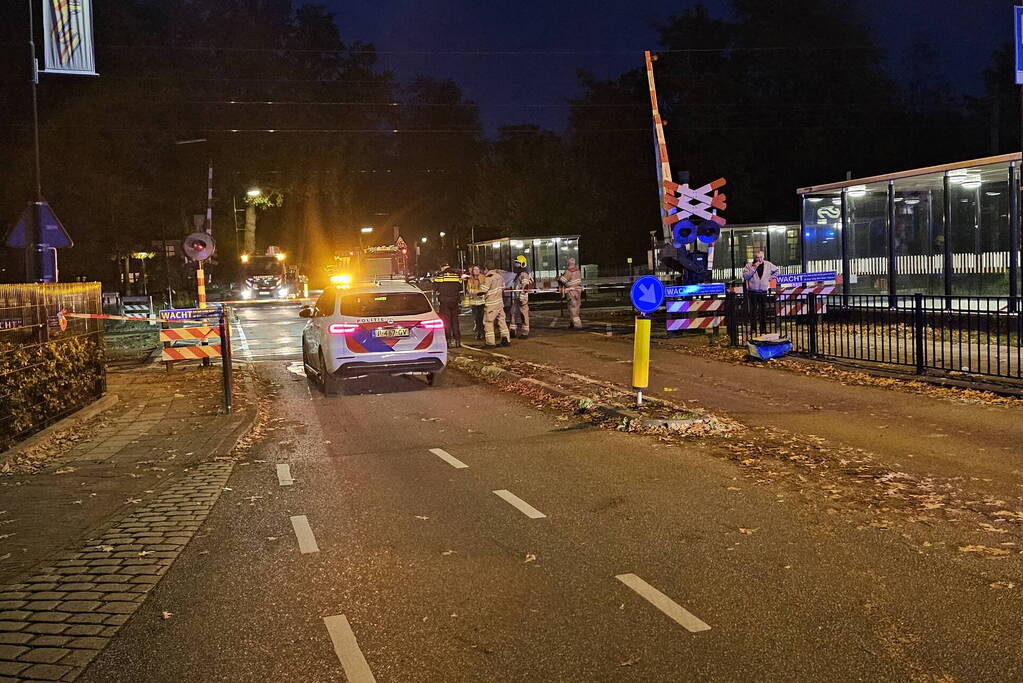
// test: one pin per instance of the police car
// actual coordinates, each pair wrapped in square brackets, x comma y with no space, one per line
[360,329]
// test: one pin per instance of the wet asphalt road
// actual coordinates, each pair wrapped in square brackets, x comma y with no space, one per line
[391,520]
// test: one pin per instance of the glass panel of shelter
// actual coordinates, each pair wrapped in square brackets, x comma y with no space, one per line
[822,232]
[919,238]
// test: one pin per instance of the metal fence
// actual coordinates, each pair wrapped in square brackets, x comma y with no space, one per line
[50,365]
[973,335]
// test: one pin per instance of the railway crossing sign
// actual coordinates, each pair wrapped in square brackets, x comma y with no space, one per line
[647,294]
[683,202]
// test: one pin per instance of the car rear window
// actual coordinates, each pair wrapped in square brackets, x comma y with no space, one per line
[384,305]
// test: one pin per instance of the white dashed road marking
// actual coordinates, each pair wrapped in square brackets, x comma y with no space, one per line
[239,330]
[304,533]
[687,620]
[347,650]
[284,475]
[520,505]
[448,458]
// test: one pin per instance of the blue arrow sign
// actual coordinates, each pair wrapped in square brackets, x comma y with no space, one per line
[647,294]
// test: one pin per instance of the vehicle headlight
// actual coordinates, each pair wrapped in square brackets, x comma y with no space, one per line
[283,291]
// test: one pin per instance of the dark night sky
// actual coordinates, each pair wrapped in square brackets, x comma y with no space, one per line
[964,31]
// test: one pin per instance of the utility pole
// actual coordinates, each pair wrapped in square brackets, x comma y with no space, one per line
[35,267]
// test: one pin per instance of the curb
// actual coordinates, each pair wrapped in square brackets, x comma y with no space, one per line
[96,407]
[627,417]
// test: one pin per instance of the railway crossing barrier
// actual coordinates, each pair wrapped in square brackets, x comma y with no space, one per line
[202,333]
[794,293]
[140,306]
[696,307]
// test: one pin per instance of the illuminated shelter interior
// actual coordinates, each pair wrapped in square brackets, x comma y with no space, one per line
[546,257]
[950,230]
[779,242]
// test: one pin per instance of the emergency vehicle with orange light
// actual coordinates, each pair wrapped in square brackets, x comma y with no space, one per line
[365,328]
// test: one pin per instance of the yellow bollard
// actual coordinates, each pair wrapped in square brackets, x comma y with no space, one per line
[641,358]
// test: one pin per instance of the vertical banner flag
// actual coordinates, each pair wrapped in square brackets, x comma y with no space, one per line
[1017,16]
[67,37]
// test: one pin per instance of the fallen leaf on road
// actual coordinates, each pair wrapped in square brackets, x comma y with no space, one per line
[76,502]
[744,530]
[64,470]
[167,615]
[530,557]
[629,662]
[733,488]
[1002,584]
[272,538]
[105,548]
[132,501]
[428,419]
[143,553]
[983,549]
[449,552]
[422,517]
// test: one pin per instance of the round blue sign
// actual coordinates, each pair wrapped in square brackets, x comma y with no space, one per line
[647,294]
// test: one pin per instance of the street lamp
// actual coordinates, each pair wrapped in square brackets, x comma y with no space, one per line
[442,234]
[366,230]
[253,192]
[423,240]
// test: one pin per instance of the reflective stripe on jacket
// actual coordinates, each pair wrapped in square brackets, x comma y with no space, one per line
[492,288]
[572,278]
[448,286]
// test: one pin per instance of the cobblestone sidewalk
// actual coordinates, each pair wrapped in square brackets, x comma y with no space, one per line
[57,620]
[162,424]
[91,521]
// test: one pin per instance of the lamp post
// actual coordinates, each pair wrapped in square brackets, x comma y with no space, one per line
[249,243]
[144,256]
[363,231]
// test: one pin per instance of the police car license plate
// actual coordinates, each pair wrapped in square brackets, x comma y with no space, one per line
[395,332]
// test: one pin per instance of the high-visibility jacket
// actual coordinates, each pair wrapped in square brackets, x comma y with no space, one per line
[448,286]
[473,295]
[492,289]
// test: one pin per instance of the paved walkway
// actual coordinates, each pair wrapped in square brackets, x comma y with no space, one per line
[127,495]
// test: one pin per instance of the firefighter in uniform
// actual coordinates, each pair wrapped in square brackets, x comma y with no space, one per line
[518,322]
[493,310]
[571,282]
[448,286]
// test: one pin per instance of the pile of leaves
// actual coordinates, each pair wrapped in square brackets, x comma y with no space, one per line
[598,401]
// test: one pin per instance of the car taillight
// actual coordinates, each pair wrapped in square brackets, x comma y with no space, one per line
[436,324]
[342,328]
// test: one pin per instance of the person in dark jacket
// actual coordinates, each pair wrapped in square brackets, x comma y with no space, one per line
[448,286]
